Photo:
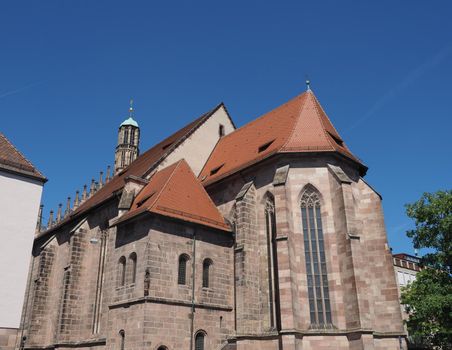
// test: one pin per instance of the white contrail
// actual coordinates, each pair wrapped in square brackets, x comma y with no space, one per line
[12,92]
[410,78]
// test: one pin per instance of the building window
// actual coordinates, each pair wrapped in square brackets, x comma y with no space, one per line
[122,339]
[122,271]
[126,136]
[270,229]
[221,130]
[206,272]
[318,293]
[133,264]
[132,137]
[199,341]
[182,271]
[123,158]
[162,347]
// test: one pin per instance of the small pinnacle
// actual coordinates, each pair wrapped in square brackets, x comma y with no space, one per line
[308,85]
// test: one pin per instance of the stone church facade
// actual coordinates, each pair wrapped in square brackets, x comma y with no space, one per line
[261,237]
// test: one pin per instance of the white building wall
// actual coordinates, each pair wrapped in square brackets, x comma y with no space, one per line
[19,204]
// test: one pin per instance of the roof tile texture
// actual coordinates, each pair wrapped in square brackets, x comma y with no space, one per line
[12,159]
[176,192]
[141,165]
[300,125]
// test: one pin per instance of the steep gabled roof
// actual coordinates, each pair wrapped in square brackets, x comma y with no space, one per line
[140,167]
[176,192]
[12,160]
[300,125]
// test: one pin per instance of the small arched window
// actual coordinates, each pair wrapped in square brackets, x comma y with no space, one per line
[182,271]
[122,271]
[206,272]
[133,265]
[162,347]
[122,339]
[221,130]
[199,340]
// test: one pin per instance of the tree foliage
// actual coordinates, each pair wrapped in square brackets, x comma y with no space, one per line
[428,300]
[433,218]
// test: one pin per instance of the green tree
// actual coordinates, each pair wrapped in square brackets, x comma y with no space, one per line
[428,300]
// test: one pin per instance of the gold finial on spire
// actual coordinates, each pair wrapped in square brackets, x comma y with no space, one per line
[131,108]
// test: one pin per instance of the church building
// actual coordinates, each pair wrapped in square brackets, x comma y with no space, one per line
[263,237]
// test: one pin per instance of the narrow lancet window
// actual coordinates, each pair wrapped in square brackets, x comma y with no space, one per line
[182,271]
[133,266]
[314,248]
[122,340]
[126,136]
[207,263]
[122,271]
[270,228]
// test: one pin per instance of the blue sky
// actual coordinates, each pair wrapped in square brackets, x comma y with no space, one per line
[381,69]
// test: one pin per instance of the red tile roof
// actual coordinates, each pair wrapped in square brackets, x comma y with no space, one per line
[300,125]
[140,167]
[176,192]
[12,160]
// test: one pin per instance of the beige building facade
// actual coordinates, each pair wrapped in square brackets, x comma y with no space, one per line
[261,237]
[406,267]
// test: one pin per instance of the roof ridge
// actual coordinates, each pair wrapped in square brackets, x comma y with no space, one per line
[159,193]
[316,105]
[303,104]
[21,154]
[264,115]
[336,147]
[200,185]
[326,115]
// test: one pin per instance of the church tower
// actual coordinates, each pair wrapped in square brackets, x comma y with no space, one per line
[128,142]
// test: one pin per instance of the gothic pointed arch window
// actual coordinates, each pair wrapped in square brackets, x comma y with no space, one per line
[314,249]
[270,230]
